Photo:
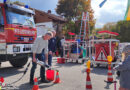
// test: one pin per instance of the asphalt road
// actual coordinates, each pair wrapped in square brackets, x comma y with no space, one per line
[71,75]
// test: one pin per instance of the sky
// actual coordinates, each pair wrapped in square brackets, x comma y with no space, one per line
[112,10]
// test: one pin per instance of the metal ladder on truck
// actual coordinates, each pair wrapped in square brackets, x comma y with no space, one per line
[84,26]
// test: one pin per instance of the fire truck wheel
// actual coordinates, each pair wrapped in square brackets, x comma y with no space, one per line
[19,62]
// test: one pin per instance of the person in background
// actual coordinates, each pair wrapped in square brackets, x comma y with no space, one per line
[124,69]
[40,52]
[62,45]
[77,39]
[76,51]
[52,47]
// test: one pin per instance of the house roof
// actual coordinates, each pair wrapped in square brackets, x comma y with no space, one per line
[51,16]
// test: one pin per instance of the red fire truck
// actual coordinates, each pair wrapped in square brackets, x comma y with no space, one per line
[17,33]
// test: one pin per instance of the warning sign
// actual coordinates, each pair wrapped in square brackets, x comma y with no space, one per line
[102,55]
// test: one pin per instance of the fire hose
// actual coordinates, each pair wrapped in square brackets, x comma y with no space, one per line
[41,63]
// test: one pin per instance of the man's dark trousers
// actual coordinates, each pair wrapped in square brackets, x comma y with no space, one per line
[40,57]
[49,59]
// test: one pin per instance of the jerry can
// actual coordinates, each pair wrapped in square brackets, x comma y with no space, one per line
[50,75]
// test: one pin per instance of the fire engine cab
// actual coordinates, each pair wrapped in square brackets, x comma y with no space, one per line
[17,33]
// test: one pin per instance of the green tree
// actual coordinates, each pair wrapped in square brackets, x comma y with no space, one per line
[72,11]
[109,26]
[123,28]
[18,3]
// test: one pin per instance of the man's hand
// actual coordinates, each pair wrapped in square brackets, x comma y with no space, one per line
[34,58]
[53,54]
[46,61]
[50,52]
[46,56]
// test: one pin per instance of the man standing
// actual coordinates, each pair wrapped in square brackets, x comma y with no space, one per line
[52,47]
[40,52]
[61,46]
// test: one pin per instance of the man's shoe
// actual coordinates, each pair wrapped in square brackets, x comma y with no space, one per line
[45,81]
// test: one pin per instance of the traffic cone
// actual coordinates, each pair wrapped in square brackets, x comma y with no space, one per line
[57,80]
[1,79]
[35,86]
[88,81]
[2,82]
[110,77]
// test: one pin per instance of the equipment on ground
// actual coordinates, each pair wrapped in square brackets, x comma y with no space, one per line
[17,33]
[35,86]
[57,79]
[88,79]
[75,51]
[101,48]
[110,76]
[50,75]
[41,63]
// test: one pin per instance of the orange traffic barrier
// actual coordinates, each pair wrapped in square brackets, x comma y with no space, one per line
[57,80]
[110,76]
[35,86]
[88,80]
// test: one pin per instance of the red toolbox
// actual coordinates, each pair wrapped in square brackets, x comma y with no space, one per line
[60,60]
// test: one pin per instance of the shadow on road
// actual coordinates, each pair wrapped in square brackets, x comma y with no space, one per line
[46,86]
[27,86]
[107,85]
[100,71]
[9,71]
[67,64]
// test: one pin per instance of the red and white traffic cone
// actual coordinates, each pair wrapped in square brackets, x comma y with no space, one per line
[2,82]
[109,75]
[1,79]
[88,80]
[57,80]
[35,86]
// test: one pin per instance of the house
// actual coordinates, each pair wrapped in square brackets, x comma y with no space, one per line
[46,21]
